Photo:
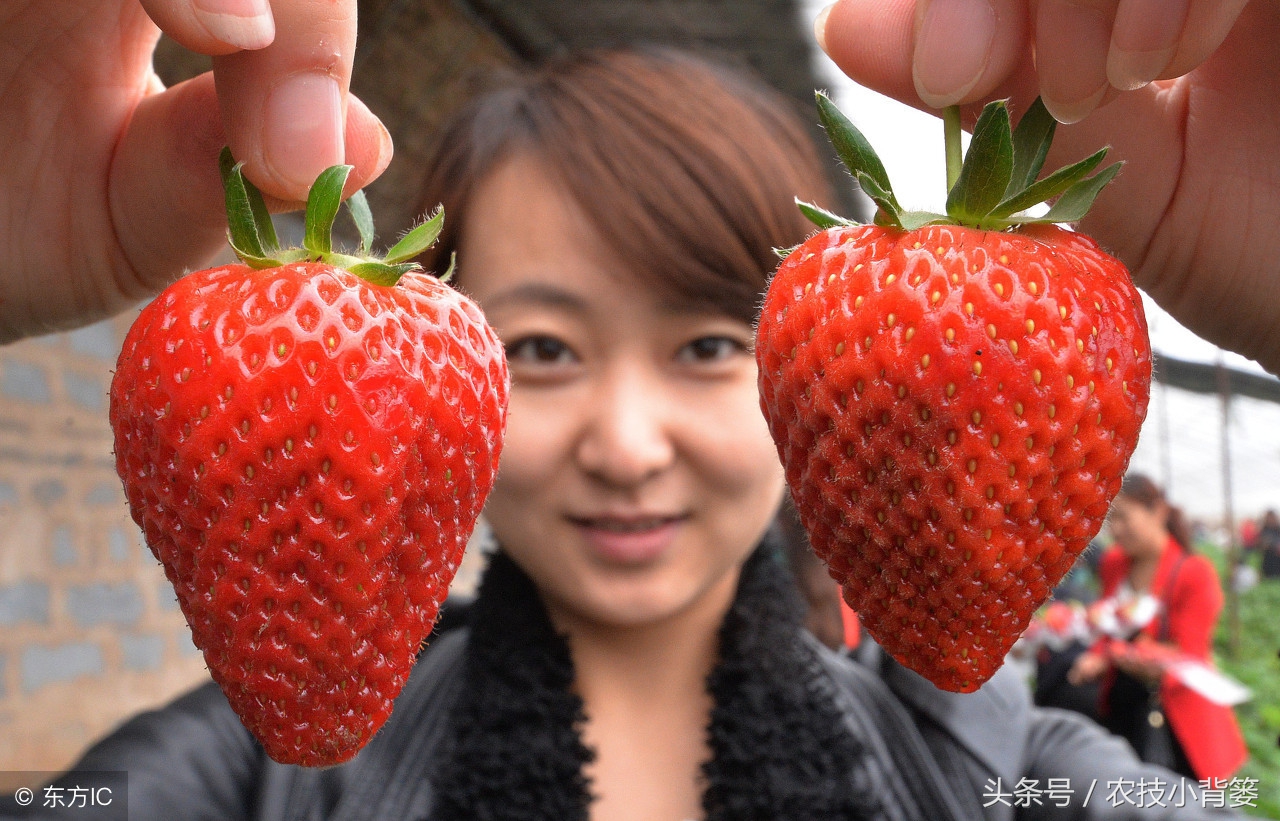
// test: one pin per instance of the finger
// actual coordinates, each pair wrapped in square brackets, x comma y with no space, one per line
[1208,24]
[284,107]
[928,54]
[964,48]
[1144,40]
[165,174]
[214,27]
[1072,39]
[871,41]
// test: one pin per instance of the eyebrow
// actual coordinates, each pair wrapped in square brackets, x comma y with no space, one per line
[549,296]
[536,293]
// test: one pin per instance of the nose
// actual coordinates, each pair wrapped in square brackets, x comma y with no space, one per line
[628,436]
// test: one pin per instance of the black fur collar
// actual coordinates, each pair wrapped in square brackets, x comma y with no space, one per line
[780,748]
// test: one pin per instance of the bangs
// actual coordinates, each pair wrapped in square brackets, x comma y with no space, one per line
[687,171]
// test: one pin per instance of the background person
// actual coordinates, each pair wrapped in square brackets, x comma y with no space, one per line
[1267,543]
[1152,556]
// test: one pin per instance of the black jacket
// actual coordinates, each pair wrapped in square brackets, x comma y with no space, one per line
[195,760]
[486,727]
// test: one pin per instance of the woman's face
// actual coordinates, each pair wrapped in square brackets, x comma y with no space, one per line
[637,472]
[1140,530]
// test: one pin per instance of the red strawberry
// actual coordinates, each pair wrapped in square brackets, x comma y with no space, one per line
[307,452]
[955,406]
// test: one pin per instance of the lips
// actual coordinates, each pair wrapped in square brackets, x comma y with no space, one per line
[628,539]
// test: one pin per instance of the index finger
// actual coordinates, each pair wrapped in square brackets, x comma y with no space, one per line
[214,27]
[284,107]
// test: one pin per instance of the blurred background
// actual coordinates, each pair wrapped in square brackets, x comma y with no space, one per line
[89,630]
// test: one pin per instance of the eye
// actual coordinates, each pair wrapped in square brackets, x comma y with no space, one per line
[711,349]
[539,350]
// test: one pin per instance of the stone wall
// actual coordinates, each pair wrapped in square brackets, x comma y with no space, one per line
[89,629]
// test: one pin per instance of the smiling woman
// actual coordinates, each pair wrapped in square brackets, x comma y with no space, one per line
[638,212]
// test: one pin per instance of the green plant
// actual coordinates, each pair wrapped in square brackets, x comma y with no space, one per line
[1256,663]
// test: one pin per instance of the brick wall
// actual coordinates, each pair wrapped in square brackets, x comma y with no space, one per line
[89,630]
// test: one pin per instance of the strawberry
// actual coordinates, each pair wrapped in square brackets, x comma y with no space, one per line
[955,397]
[306,441]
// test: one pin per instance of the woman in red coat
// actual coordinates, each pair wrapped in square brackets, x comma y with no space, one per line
[1152,556]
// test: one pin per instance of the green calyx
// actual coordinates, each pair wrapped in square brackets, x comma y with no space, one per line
[990,188]
[253,236]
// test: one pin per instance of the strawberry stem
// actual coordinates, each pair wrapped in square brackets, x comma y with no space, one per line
[951,140]
[990,187]
[253,237]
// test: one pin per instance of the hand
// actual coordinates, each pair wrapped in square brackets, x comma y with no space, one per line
[113,184]
[1194,212]
[1087,667]
[1147,667]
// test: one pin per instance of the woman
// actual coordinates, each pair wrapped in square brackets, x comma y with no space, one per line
[1140,700]
[636,650]
[1267,542]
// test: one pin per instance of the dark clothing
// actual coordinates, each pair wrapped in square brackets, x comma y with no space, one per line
[1130,703]
[1053,689]
[1268,544]
[898,747]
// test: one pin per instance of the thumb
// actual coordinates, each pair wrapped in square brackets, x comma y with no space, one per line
[926,53]
[165,176]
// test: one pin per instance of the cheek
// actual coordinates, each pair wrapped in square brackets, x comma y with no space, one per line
[1153,527]
[736,451]
[534,448]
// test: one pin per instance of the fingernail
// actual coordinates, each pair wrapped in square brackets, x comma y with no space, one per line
[820,26]
[1073,61]
[1073,112]
[953,45]
[245,24]
[303,129]
[1144,38]
[1130,70]
[386,148]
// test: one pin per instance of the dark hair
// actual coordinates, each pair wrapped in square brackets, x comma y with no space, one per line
[687,168]
[1141,489]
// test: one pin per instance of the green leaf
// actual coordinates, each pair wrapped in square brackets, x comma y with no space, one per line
[254,260]
[1076,201]
[1049,187]
[275,260]
[241,193]
[418,240]
[987,167]
[453,264]
[1031,140]
[911,220]
[358,208]
[855,151]
[323,203]
[890,211]
[347,261]
[242,217]
[380,273]
[820,216]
